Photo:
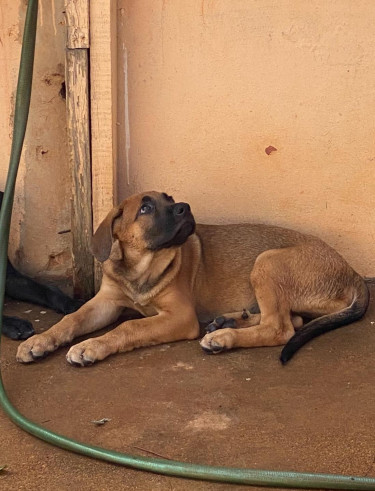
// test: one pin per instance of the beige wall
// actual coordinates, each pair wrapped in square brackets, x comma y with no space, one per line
[213,83]
[209,85]
[42,205]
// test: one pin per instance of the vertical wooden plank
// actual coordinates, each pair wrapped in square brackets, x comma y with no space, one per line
[77,25]
[103,85]
[78,124]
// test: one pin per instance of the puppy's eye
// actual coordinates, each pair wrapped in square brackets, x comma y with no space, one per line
[146,208]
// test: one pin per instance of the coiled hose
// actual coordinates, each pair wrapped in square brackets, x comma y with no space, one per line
[160,466]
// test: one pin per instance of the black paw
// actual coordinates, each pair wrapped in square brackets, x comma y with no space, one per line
[221,323]
[15,328]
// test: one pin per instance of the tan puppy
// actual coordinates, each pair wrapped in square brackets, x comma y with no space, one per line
[156,261]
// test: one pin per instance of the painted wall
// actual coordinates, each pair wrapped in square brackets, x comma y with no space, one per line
[42,205]
[212,85]
[205,87]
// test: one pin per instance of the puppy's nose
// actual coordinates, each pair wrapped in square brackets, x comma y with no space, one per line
[181,209]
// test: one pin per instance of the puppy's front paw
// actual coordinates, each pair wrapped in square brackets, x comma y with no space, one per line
[36,347]
[87,352]
[218,341]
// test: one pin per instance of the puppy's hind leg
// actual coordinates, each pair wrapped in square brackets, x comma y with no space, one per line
[257,330]
[272,327]
[273,332]
[234,320]
[243,319]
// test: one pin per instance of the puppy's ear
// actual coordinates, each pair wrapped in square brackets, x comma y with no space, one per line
[101,244]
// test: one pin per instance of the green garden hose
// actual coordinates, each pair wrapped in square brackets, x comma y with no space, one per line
[160,466]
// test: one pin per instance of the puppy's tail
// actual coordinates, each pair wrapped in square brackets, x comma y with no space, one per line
[327,323]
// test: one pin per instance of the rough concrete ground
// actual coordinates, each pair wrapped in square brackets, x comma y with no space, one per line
[240,409]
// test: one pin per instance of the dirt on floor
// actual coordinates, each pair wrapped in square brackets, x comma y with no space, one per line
[238,409]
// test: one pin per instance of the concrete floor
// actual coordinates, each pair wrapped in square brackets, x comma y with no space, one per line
[241,409]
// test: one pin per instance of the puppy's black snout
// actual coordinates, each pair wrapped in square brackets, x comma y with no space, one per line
[181,209]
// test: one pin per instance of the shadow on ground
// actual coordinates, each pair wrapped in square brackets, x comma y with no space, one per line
[240,409]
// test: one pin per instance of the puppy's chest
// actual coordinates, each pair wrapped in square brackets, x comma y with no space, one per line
[138,291]
[139,299]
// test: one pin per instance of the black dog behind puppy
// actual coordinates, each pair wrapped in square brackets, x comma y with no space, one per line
[25,289]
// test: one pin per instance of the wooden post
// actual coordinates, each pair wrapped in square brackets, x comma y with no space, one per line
[78,124]
[103,89]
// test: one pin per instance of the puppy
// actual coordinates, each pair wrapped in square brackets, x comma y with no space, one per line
[25,289]
[257,284]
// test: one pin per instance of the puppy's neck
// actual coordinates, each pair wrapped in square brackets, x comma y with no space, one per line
[137,265]
[145,274]
[140,266]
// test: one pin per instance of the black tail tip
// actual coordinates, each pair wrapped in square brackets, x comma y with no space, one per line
[286,355]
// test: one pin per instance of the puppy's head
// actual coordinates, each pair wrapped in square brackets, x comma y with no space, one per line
[144,222]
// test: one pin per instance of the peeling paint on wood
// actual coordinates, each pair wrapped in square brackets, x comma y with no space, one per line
[77,17]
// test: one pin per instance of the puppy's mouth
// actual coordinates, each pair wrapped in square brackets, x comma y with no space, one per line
[176,238]
[186,229]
